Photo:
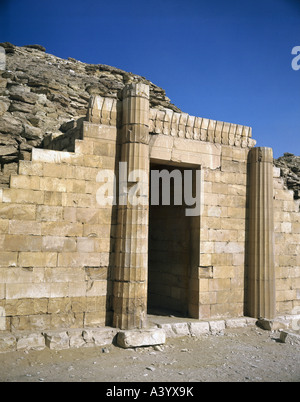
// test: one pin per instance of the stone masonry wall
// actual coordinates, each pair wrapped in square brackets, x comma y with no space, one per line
[223,229]
[218,286]
[57,244]
[287,247]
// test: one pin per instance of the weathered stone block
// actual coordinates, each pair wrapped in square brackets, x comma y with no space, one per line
[95,303]
[64,275]
[84,200]
[22,243]
[229,247]
[76,338]
[61,229]
[30,340]
[175,329]
[2,291]
[25,182]
[250,321]
[84,147]
[138,338]
[12,275]
[76,186]
[199,328]
[95,318]
[29,168]
[97,288]
[53,184]
[17,211]
[98,336]
[219,284]
[23,196]
[59,289]
[58,244]
[208,298]
[217,326]
[272,325]
[53,198]
[77,289]
[97,131]
[79,304]
[31,290]
[49,213]
[85,245]
[8,342]
[24,227]
[59,305]
[236,322]
[8,259]
[290,337]
[57,340]
[56,157]
[37,259]
[67,320]
[79,259]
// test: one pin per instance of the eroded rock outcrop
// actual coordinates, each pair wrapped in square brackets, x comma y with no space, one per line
[40,93]
[289,165]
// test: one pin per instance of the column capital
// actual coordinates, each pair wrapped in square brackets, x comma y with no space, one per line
[261,154]
[135,113]
[136,89]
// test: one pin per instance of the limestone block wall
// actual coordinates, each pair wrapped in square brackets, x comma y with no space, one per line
[222,234]
[67,261]
[219,285]
[287,247]
[55,247]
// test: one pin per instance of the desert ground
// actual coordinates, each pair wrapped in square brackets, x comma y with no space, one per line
[236,355]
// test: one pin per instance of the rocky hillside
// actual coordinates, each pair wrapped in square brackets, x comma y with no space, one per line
[40,93]
[290,171]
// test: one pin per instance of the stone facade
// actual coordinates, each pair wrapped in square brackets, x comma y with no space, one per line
[67,261]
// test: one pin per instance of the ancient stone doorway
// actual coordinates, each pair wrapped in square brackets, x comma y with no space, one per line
[173,251]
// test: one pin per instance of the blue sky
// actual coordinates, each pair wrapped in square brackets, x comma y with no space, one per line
[225,60]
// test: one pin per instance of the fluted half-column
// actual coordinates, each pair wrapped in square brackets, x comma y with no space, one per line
[261,271]
[131,270]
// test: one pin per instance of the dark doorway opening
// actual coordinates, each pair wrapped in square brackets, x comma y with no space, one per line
[173,252]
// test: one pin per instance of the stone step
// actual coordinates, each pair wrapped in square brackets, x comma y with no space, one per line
[57,339]
[161,329]
[179,328]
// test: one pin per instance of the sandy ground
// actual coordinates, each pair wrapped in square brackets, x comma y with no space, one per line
[238,355]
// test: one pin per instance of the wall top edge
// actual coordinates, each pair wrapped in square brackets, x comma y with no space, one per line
[166,121]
